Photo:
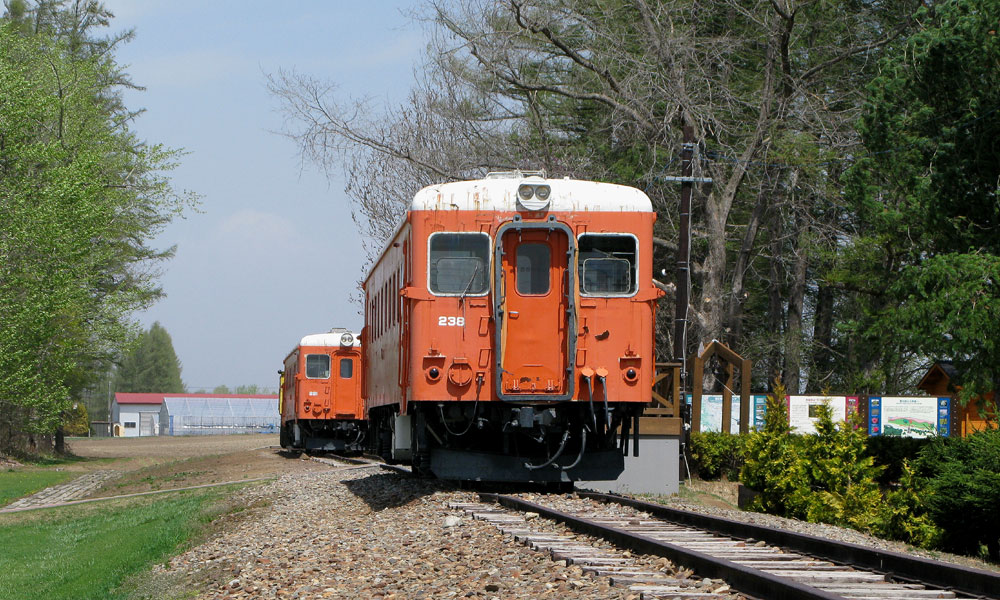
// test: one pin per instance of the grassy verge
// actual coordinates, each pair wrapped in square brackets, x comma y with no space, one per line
[19,483]
[89,551]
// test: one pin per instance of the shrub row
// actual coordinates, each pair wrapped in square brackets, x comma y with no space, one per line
[942,493]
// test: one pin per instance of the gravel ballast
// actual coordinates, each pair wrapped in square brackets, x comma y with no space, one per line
[359,532]
[363,533]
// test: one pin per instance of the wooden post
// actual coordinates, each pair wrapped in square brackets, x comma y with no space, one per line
[696,377]
[727,400]
[745,411]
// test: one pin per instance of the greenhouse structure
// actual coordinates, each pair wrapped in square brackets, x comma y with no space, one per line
[218,414]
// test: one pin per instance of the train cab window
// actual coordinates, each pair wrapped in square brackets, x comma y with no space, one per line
[607,264]
[346,368]
[317,366]
[458,263]
[533,260]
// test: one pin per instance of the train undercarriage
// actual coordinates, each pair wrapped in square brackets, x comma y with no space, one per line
[508,442]
[340,435]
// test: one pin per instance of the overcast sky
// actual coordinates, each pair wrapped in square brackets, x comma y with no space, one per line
[273,255]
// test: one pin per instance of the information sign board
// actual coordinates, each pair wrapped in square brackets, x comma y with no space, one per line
[803,411]
[909,416]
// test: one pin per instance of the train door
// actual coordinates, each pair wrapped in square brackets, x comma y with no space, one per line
[536,312]
[345,386]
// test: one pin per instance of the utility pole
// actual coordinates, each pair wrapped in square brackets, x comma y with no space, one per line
[684,253]
[683,279]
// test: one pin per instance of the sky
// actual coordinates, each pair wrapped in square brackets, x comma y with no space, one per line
[272,255]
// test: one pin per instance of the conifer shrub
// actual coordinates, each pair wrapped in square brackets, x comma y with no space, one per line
[841,479]
[717,454]
[962,491]
[773,463]
[891,452]
[824,477]
[903,515]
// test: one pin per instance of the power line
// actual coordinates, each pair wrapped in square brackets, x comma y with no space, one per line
[712,155]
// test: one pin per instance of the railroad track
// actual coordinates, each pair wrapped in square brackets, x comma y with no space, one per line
[334,460]
[741,560]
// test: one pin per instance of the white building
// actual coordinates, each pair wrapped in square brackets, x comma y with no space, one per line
[136,415]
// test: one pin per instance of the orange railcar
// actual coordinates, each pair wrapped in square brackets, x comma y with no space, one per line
[509,330]
[320,395]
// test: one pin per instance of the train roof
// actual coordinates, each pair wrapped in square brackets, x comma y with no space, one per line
[499,192]
[331,338]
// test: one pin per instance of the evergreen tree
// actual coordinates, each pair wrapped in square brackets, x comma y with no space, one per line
[926,202]
[151,365]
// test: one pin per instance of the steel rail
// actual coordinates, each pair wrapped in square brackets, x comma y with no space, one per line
[976,582]
[744,579]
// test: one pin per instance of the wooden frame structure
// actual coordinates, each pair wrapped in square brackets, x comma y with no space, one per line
[663,416]
[732,360]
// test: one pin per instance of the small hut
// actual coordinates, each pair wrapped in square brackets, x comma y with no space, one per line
[965,420]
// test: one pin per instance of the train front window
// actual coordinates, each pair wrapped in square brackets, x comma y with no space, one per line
[607,264]
[533,262]
[346,368]
[317,366]
[458,263]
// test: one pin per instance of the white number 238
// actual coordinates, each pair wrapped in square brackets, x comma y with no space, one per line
[451,321]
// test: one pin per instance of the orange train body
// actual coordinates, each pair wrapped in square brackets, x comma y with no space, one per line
[320,394]
[509,330]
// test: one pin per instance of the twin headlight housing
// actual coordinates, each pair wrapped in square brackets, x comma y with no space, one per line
[534,196]
[346,339]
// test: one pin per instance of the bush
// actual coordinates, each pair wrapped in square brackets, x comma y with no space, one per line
[716,454]
[773,465]
[963,491]
[842,480]
[891,453]
[820,478]
[903,515]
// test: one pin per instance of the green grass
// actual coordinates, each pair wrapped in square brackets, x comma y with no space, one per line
[87,552]
[21,483]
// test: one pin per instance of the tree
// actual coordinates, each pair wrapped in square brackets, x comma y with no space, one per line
[221,389]
[925,259]
[151,365]
[80,198]
[76,420]
[600,90]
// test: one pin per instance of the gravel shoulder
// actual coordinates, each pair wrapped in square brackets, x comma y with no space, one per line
[363,533]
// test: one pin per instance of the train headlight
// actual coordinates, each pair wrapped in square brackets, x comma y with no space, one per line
[347,340]
[533,197]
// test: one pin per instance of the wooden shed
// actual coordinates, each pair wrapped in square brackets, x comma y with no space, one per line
[965,420]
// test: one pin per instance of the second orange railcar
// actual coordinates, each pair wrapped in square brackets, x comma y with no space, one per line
[320,394]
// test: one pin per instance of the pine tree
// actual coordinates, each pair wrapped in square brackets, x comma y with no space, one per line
[152,365]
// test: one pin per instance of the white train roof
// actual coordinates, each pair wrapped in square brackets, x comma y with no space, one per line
[498,192]
[331,338]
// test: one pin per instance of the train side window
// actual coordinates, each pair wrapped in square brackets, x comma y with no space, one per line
[317,366]
[458,263]
[346,368]
[533,262]
[607,264]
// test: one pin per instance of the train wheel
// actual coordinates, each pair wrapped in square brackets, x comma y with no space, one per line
[283,436]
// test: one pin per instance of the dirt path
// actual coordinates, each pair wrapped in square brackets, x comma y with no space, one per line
[159,463]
